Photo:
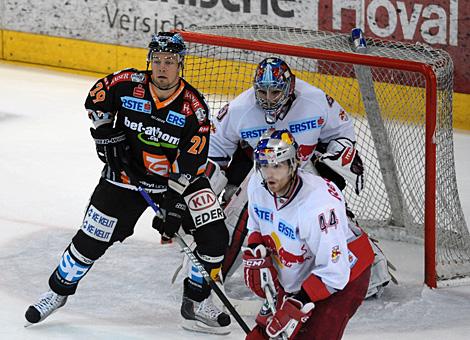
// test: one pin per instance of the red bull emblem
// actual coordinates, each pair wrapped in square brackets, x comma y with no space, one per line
[287,137]
[281,255]
[335,254]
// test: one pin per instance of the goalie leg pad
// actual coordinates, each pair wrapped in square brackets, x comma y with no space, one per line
[380,275]
[237,216]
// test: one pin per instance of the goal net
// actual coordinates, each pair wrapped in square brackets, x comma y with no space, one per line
[400,96]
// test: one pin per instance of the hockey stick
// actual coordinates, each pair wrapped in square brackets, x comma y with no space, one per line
[268,291]
[211,282]
[272,306]
[195,261]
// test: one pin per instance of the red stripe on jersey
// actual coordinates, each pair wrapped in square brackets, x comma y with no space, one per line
[362,249]
[315,288]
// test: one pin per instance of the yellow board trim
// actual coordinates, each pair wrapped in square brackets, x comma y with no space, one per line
[78,56]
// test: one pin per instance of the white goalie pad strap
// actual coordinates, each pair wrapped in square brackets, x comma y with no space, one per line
[204,207]
[216,176]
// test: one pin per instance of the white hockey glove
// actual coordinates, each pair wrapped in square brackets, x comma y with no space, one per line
[342,157]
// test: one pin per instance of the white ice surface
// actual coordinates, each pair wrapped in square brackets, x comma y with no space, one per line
[48,170]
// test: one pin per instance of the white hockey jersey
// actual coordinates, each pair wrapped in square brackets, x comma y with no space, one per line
[309,237]
[313,117]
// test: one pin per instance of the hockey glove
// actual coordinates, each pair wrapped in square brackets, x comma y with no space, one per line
[259,270]
[174,208]
[342,157]
[289,318]
[112,147]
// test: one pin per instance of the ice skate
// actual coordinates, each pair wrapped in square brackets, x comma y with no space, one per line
[204,317]
[48,303]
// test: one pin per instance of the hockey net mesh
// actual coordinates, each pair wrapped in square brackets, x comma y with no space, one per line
[222,73]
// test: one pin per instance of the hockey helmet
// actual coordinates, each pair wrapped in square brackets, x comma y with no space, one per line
[274,85]
[166,42]
[276,146]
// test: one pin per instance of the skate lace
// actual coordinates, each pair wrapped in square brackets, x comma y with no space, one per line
[48,302]
[208,308]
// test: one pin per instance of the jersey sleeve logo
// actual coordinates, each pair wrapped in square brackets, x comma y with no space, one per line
[222,112]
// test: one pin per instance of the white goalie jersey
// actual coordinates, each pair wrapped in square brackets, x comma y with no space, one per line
[313,117]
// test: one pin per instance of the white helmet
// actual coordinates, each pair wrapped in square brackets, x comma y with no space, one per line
[276,146]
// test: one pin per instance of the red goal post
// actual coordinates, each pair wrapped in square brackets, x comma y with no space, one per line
[412,205]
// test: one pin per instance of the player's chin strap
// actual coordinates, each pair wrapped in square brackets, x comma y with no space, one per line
[187,250]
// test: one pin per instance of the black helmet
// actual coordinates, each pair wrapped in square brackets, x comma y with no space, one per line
[166,42]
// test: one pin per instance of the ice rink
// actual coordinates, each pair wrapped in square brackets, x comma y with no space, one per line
[48,169]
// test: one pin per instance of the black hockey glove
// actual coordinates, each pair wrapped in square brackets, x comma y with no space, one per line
[174,207]
[112,147]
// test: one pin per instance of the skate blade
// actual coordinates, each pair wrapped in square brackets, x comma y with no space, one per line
[28,324]
[200,327]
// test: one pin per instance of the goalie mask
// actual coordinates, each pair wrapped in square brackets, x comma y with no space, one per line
[276,146]
[167,42]
[274,85]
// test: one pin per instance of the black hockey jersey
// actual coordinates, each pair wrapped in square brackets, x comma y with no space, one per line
[164,136]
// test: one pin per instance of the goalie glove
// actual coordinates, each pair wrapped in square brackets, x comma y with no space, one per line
[216,176]
[342,157]
[289,318]
[259,270]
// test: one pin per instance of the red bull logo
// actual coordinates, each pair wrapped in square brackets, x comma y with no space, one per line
[281,255]
[335,253]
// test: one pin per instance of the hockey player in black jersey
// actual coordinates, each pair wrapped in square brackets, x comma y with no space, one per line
[150,127]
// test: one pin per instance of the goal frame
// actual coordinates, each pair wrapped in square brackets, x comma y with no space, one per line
[430,274]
